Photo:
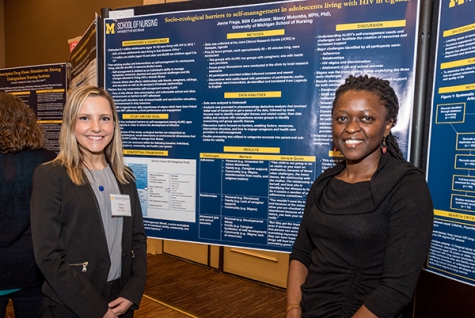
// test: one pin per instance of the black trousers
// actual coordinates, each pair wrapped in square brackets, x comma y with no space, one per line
[111,292]
[52,309]
[26,302]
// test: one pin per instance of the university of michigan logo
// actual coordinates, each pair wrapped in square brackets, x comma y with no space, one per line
[453,2]
[110,27]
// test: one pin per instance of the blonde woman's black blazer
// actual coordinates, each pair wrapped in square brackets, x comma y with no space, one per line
[70,245]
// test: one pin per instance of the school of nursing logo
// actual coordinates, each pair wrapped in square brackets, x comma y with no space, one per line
[453,2]
[110,27]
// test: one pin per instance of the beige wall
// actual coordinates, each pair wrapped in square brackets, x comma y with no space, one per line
[37,32]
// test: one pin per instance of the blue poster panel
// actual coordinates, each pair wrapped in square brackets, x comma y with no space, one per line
[226,112]
[451,160]
[43,89]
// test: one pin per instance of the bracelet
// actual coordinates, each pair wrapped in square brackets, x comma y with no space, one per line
[293,306]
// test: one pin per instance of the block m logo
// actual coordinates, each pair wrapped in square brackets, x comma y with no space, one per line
[110,28]
[453,2]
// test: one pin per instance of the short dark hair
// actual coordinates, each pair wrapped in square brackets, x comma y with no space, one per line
[385,93]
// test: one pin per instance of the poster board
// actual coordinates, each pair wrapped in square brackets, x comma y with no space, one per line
[450,162]
[83,60]
[226,112]
[43,88]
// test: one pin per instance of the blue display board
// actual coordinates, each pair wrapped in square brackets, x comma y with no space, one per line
[43,89]
[451,160]
[226,112]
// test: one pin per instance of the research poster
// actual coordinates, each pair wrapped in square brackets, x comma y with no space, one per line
[226,112]
[83,59]
[43,89]
[451,160]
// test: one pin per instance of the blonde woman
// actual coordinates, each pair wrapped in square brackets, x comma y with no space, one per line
[87,227]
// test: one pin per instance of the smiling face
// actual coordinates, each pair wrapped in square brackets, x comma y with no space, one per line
[94,128]
[359,123]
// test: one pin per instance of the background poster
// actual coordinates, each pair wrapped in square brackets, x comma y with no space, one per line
[451,160]
[83,59]
[42,88]
[226,112]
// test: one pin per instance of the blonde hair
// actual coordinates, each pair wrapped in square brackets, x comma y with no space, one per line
[70,155]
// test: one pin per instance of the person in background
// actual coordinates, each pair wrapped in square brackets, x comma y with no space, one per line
[88,234]
[367,223]
[21,151]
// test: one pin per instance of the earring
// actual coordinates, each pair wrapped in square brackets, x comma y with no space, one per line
[335,149]
[384,147]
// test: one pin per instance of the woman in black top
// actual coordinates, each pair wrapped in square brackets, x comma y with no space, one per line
[21,151]
[367,224]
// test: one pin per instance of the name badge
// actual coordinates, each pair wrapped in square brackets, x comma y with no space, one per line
[120,205]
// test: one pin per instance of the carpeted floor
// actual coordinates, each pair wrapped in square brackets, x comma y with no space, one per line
[204,292]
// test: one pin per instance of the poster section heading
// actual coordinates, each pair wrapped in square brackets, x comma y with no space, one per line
[226,112]
[451,162]
[43,89]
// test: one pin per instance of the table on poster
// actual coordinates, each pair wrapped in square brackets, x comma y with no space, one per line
[240,99]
